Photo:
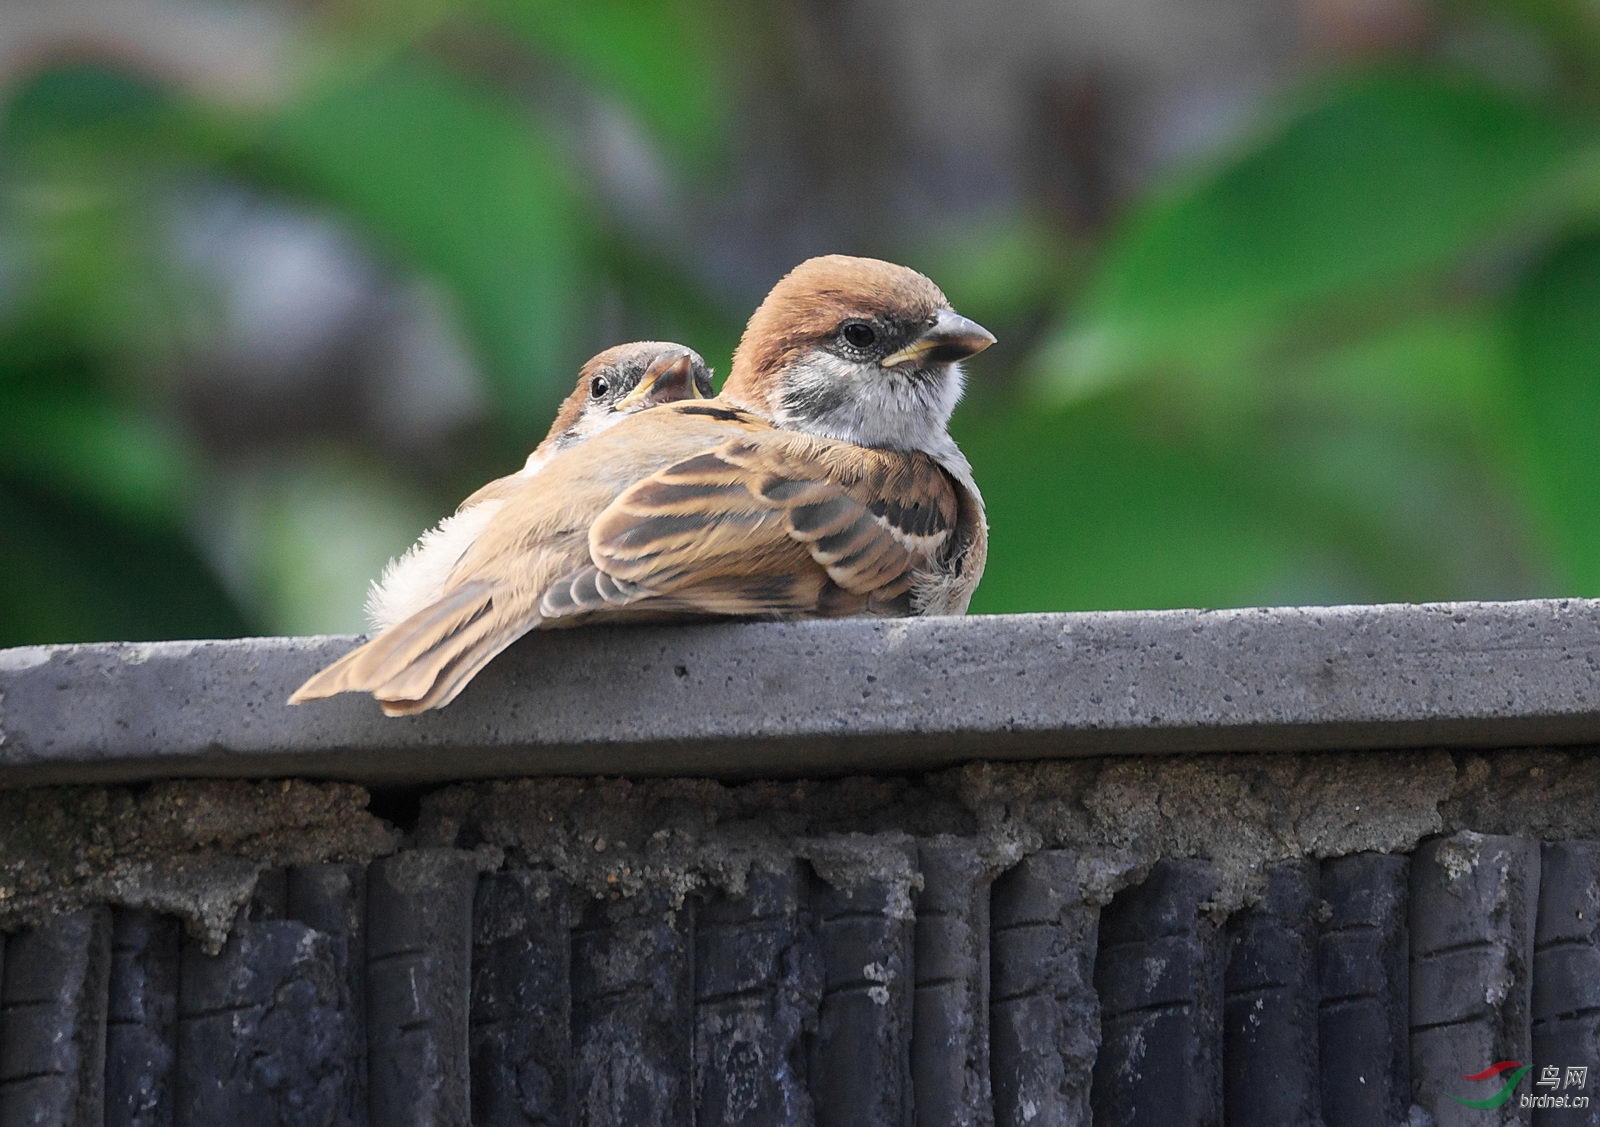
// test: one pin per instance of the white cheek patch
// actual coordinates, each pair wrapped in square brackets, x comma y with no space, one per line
[890,409]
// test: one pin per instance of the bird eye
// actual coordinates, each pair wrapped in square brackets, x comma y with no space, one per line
[598,387]
[858,334]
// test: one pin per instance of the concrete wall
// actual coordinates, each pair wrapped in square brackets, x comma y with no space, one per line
[1117,930]
[827,697]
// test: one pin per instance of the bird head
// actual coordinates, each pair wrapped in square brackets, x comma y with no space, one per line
[856,349]
[622,380]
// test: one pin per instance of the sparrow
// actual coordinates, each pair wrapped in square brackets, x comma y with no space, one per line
[822,482]
[611,386]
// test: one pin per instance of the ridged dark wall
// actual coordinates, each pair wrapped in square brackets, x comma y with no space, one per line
[420,990]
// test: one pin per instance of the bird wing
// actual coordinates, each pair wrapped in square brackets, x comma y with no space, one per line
[537,535]
[772,522]
[713,513]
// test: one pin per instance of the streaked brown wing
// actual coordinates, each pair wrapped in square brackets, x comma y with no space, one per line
[773,523]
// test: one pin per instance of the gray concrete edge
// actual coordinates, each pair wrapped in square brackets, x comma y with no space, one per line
[742,700]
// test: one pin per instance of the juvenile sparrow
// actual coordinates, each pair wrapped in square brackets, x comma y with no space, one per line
[611,386]
[822,482]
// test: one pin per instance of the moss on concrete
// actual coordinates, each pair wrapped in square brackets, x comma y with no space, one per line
[194,849]
[191,849]
[616,837]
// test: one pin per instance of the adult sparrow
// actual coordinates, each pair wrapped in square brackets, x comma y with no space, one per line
[822,482]
[611,386]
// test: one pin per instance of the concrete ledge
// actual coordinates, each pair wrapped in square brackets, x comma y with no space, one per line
[776,699]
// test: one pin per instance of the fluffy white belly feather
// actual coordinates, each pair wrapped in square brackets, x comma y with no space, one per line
[418,578]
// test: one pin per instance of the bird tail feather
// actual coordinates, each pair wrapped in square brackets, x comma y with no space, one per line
[426,660]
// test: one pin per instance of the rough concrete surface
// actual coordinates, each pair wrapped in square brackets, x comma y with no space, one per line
[195,848]
[619,837]
[191,849]
[750,700]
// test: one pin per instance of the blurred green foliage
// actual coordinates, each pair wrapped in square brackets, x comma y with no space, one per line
[460,187]
[1354,358]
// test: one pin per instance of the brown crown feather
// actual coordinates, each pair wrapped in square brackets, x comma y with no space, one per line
[805,308]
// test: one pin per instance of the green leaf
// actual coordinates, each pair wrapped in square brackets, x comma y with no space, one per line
[79,101]
[1438,368]
[1385,177]
[659,56]
[1567,29]
[999,267]
[131,463]
[1088,512]
[463,187]
[1556,341]
[1401,433]
[75,573]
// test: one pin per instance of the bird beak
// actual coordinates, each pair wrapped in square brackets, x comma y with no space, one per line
[668,379]
[950,337]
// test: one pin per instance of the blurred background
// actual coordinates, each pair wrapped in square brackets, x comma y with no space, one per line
[1298,300]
